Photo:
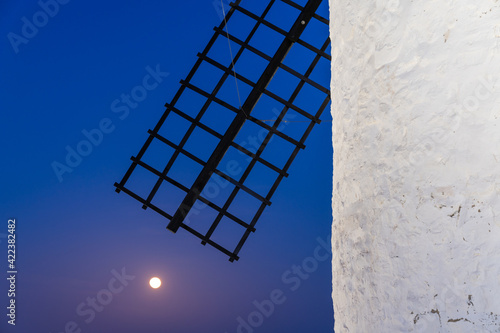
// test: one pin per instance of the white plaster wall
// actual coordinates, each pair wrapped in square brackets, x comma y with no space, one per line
[416,187]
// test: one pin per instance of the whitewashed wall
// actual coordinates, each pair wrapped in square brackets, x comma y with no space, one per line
[416,188]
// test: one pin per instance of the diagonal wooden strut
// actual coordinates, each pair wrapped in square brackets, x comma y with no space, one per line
[237,123]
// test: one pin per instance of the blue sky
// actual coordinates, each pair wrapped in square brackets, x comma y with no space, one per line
[78,240]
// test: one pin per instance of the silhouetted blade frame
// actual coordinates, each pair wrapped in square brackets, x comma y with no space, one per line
[209,167]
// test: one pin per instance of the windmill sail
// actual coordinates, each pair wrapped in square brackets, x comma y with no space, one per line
[210,157]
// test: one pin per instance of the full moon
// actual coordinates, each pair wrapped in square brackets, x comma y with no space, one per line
[155,283]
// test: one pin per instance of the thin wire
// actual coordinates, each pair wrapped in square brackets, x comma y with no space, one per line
[236,80]
[232,59]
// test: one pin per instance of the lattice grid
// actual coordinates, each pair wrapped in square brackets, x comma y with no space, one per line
[215,158]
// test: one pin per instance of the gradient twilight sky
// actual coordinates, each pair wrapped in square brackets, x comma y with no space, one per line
[75,236]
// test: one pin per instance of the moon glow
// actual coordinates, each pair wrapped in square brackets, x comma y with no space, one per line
[155,283]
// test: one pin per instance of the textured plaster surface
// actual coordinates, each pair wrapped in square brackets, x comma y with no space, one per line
[416,188]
